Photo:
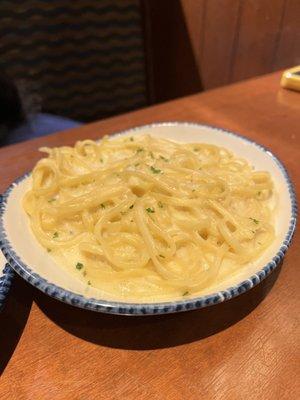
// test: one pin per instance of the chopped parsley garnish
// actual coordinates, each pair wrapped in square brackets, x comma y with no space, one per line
[256,221]
[155,170]
[102,205]
[150,210]
[164,158]
[49,250]
[162,256]
[55,235]
[131,207]
[185,293]
[259,193]
[160,204]
[89,283]
[101,159]
[131,139]
[193,190]
[84,273]
[79,265]
[51,200]
[195,149]
[139,150]
[137,164]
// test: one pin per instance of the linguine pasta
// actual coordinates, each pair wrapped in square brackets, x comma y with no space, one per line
[145,218]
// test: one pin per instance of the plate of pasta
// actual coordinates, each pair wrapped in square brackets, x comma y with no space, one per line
[157,219]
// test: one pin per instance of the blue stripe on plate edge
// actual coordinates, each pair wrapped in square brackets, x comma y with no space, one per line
[149,308]
[5,283]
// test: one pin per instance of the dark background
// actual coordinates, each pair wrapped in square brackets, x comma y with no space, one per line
[90,59]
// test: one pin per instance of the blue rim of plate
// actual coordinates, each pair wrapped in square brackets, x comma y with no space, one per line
[6,277]
[123,308]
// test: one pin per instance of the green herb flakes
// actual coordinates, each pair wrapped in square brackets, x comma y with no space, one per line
[150,210]
[131,207]
[160,204]
[89,283]
[162,256]
[55,235]
[164,158]
[51,200]
[186,293]
[139,150]
[102,205]
[256,221]
[48,250]
[155,170]
[131,139]
[79,265]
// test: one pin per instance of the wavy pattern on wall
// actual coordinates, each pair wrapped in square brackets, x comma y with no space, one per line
[83,59]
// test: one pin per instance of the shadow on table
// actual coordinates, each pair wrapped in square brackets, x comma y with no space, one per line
[150,332]
[13,319]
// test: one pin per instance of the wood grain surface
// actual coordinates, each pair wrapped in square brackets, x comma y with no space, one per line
[246,348]
[203,44]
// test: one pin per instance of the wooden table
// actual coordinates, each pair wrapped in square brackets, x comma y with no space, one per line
[246,348]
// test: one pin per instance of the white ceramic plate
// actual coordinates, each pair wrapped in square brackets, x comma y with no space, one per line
[29,259]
